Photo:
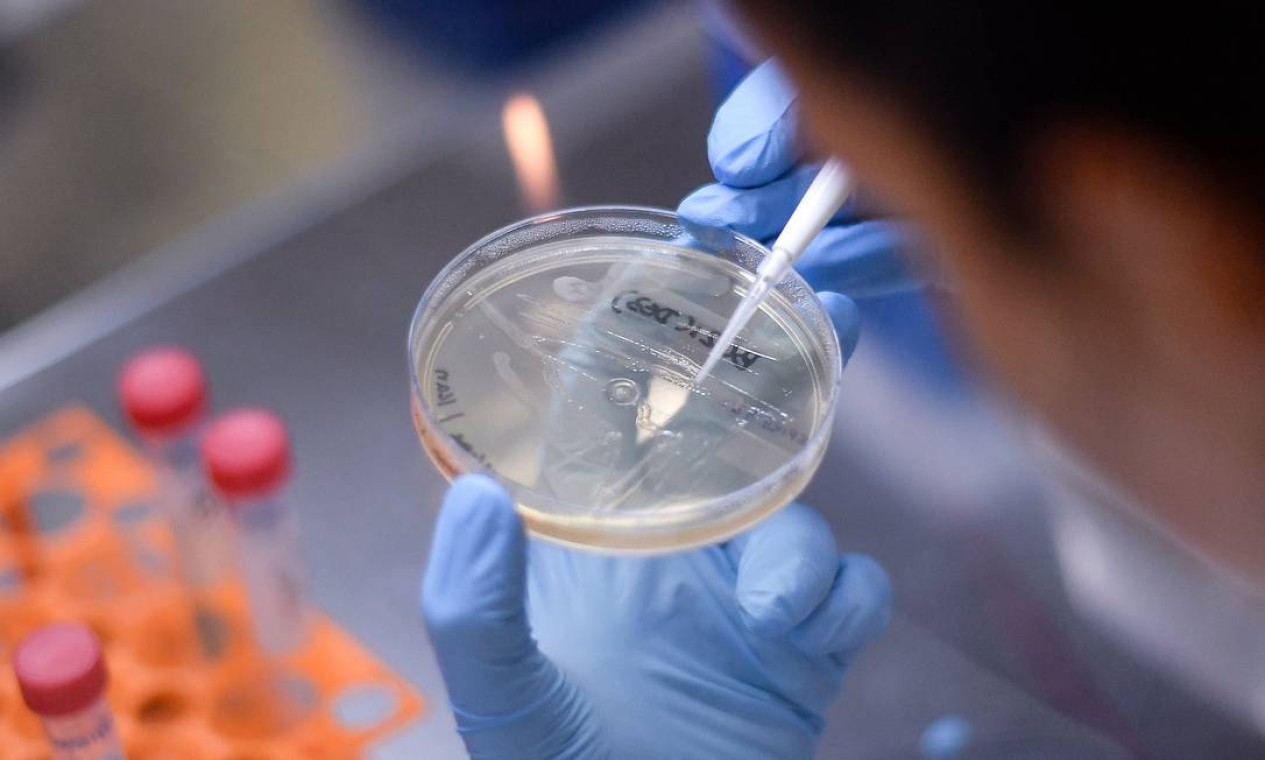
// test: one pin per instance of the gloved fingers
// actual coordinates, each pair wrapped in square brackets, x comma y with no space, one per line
[786,566]
[846,317]
[859,259]
[758,212]
[473,601]
[753,139]
[509,700]
[854,613]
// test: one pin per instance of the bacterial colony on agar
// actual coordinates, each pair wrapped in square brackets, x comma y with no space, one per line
[567,369]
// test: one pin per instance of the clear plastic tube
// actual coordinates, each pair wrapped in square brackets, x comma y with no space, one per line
[198,524]
[246,454]
[163,393]
[271,567]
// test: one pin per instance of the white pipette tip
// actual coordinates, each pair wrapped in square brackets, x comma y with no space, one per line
[830,188]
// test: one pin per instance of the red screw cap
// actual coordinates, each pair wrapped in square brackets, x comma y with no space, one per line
[60,669]
[163,390]
[246,453]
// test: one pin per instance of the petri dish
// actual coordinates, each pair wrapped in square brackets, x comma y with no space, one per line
[558,355]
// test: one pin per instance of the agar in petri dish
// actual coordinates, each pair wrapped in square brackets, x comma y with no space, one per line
[558,355]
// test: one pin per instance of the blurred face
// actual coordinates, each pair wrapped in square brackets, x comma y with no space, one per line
[1130,324]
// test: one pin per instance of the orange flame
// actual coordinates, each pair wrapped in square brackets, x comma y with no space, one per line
[531,151]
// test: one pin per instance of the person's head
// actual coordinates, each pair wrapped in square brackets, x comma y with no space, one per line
[1091,180]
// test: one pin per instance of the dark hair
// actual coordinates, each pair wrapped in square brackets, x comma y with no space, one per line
[988,76]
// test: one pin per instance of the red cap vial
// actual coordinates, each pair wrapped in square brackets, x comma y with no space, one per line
[246,453]
[163,390]
[60,669]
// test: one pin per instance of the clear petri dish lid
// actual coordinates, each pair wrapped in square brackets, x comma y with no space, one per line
[558,355]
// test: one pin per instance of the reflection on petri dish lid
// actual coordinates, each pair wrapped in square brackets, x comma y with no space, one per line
[558,354]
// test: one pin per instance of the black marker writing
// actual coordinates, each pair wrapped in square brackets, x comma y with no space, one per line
[633,302]
[443,392]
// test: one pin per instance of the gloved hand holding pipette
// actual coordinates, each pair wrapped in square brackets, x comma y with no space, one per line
[730,651]
[755,152]
[830,188]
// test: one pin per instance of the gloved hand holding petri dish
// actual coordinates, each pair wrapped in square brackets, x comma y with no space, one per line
[559,355]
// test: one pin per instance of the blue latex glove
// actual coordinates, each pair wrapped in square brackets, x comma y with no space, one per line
[754,151]
[733,651]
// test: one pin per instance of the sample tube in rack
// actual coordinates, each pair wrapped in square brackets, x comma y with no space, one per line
[61,674]
[163,393]
[246,455]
